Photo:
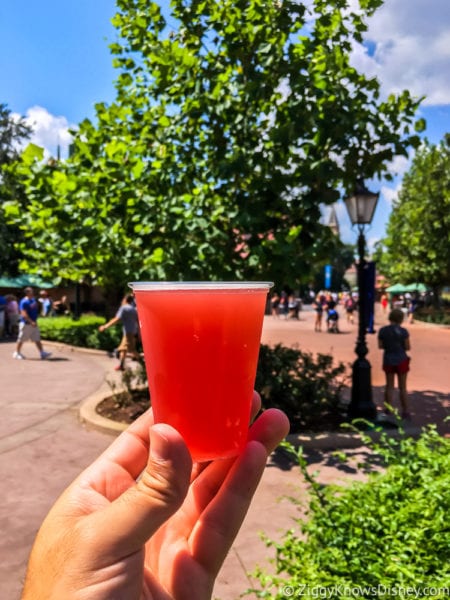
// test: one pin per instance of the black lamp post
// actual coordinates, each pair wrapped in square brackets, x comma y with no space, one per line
[361,207]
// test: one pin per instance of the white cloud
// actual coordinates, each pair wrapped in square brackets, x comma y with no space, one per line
[400,165]
[371,240]
[345,227]
[49,131]
[412,48]
[390,194]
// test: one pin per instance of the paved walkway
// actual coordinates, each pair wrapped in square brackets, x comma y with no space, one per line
[43,445]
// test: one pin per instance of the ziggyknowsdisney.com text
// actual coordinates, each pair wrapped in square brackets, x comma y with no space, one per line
[363,591]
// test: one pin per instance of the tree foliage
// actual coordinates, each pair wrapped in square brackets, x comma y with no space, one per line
[13,132]
[233,122]
[417,245]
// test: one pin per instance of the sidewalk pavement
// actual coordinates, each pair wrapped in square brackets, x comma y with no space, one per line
[44,445]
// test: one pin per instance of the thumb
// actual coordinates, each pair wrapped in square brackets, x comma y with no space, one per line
[135,516]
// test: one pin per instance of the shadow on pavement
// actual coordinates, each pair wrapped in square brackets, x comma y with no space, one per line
[427,407]
[52,359]
[356,461]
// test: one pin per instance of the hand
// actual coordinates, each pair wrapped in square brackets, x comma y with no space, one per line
[142,522]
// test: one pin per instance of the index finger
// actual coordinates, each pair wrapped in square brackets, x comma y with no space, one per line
[130,449]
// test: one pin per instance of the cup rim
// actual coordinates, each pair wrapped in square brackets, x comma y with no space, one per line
[199,285]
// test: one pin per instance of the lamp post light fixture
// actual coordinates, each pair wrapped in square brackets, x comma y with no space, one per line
[361,207]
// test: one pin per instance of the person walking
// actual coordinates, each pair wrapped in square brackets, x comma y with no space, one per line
[12,316]
[318,309]
[128,316]
[283,308]
[350,307]
[45,303]
[274,304]
[28,327]
[394,340]
[412,307]
[3,322]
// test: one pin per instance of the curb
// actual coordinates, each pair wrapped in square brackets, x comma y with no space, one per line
[320,441]
[88,415]
[68,347]
[341,441]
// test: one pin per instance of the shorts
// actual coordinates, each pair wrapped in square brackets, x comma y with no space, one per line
[28,333]
[401,368]
[128,343]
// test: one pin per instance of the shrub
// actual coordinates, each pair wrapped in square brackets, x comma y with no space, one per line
[80,332]
[308,390]
[133,388]
[432,315]
[374,538]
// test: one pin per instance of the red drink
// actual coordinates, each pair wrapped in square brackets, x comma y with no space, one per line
[201,344]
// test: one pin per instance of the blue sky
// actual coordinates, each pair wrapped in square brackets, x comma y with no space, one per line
[55,65]
[54,54]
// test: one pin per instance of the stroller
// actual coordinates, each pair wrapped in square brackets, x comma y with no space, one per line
[332,321]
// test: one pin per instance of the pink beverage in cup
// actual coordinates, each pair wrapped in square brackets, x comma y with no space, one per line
[201,343]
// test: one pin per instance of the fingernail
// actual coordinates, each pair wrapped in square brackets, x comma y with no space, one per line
[159,445]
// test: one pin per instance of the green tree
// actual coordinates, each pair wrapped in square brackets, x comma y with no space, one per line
[13,132]
[417,244]
[233,122]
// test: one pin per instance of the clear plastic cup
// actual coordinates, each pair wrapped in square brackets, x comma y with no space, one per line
[201,343]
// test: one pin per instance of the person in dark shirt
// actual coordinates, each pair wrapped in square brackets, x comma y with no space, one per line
[394,340]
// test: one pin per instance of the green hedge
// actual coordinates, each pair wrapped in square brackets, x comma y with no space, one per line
[432,315]
[372,539]
[307,388]
[81,332]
